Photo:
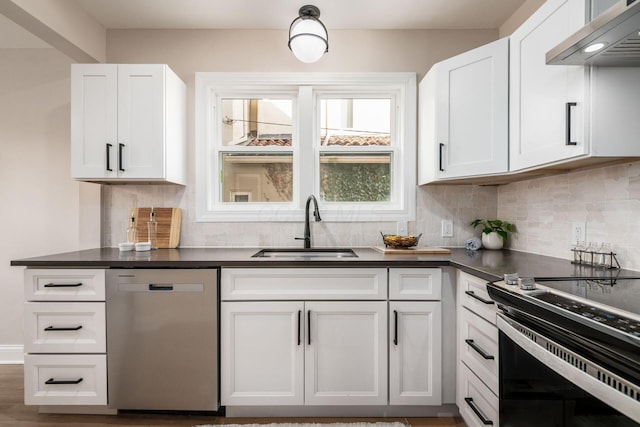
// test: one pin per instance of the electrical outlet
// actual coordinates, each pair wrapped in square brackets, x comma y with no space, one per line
[447,228]
[578,232]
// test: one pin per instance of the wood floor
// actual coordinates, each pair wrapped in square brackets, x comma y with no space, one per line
[13,413]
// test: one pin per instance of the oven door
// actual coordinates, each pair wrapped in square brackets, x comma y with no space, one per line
[543,383]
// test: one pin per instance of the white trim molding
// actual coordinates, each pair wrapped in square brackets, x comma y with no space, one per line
[304,89]
[11,354]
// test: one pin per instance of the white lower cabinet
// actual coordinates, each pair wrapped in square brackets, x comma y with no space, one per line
[477,389]
[71,379]
[479,406]
[415,353]
[325,337]
[65,337]
[262,353]
[346,353]
[313,353]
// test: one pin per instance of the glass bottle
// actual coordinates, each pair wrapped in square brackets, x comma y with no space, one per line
[604,255]
[578,252]
[131,230]
[152,226]
[588,253]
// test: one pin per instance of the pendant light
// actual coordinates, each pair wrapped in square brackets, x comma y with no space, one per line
[308,38]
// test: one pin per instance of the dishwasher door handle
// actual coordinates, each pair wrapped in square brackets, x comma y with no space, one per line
[153,287]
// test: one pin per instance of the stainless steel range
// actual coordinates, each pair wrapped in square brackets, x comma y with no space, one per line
[570,351]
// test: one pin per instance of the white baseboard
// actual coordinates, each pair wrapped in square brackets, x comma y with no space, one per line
[11,354]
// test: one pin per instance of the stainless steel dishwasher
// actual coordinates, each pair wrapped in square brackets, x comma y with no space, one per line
[162,335]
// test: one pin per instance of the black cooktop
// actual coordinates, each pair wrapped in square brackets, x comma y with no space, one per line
[621,293]
[610,318]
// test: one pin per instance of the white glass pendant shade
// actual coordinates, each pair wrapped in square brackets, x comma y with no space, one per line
[308,38]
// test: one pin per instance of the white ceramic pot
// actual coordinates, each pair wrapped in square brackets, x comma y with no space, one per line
[492,241]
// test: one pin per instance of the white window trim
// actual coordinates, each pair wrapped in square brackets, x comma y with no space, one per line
[400,209]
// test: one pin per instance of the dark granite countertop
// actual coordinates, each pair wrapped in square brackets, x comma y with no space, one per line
[488,264]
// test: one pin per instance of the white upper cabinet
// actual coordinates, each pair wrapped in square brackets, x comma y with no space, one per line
[128,123]
[463,123]
[547,105]
[562,114]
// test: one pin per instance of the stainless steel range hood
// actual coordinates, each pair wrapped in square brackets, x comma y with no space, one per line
[617,27]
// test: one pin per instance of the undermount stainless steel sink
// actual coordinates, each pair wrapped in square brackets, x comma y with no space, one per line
[305,253]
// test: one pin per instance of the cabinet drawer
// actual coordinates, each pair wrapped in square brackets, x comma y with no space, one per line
[415,283]
[479,347]
[303,283]
[472,294]
[64,284]
[59,327]
[477,404]
[56,379]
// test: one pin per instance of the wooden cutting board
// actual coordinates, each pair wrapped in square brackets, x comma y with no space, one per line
[168,220]
[412,251]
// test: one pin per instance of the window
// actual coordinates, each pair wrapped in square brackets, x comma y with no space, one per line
[265,142]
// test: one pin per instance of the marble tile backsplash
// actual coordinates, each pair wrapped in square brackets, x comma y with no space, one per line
[607,199]
[458,203]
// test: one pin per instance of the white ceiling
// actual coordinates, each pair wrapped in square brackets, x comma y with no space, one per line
[278,14]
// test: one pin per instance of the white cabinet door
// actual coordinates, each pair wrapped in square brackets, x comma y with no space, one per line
[473,294]
[415,353]
[262,353]
[464,115]
[65,379]
[477,404]
[547,103]
[346,353]
[128,123]
[140,149]
[94,120]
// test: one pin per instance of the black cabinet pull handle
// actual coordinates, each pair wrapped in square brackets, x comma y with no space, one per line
[569,105]
[54,381]
[62,285]
[480,351]
[65,328]
[395,327]
[440,157]
[299,320]
[309,327]
[472,294]
[109,157]
[153,287]
[120,147]
[484,421]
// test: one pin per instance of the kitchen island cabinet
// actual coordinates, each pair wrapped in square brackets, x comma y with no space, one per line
[128,123]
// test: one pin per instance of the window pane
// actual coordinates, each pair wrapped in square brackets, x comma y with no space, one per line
[355,121]
[355,178]
[257,122]
[257,178]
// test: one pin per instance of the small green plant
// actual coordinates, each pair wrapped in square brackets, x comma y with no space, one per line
[503,228]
